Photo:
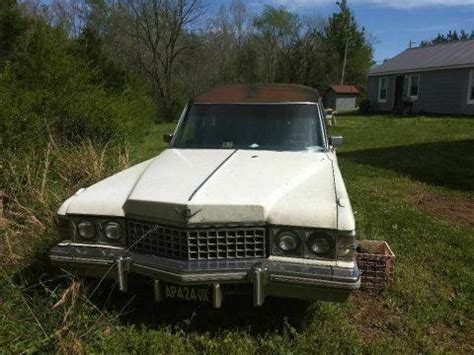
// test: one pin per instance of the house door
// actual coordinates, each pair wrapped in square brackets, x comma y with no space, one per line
[398,100]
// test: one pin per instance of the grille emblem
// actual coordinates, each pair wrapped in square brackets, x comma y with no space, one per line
[186,212]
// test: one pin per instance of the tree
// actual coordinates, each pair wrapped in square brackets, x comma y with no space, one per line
[158,32]
[239,23]
[343,36]
[312,64]
[277,29]
[172,52]
[12,26]
[89,46]
[451,36]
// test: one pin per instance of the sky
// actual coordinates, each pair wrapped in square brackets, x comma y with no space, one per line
[391,24]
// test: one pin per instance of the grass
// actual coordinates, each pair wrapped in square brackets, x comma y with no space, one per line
[151,143]
[386,163]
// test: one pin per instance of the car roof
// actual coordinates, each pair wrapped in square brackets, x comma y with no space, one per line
[258,93]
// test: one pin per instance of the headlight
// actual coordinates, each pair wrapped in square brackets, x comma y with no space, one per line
[113,230]
[320,244]
[346,246]
[86,229]
[287,241]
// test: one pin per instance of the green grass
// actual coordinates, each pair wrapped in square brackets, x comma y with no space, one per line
[385,163]
[151,143]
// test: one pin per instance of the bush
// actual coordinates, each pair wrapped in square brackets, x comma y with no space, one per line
[365,106]
[46,91]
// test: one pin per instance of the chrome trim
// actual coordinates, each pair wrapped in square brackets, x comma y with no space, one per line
[256,103]
[322,125]
[188,244]
[216,296]
[79,261]
[189,278]
[186,225]
[296,260]
[312,282]
[123,267]
[258,287]
[157,291]
[72,244]
[275,277]
[178,125]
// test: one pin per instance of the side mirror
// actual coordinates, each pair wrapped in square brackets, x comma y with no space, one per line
[336,140]
[167,137]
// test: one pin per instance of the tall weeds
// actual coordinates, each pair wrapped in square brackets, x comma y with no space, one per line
[34,183]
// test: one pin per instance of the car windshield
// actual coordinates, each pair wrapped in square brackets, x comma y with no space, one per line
[251,126]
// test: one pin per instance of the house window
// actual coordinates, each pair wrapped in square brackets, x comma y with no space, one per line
[382,90]
[413,86]
[470,89]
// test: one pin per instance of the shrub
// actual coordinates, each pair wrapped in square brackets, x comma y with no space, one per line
[365,106]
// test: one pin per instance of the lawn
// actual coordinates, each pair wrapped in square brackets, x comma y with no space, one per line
[411,182]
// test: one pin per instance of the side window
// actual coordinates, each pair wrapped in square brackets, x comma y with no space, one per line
[382,94]
[413,86]
[470,89]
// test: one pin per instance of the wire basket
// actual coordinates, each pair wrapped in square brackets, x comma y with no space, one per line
[375,260]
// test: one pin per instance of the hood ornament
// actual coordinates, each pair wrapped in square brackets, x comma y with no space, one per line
[186,212]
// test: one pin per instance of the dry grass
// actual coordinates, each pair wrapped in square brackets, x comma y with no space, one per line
[36,182]
[33,185]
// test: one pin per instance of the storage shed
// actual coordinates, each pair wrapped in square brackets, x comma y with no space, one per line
[341,98]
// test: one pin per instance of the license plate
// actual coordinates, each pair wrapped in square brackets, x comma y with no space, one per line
[200,294]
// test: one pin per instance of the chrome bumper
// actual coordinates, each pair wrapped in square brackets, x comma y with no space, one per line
[268,277]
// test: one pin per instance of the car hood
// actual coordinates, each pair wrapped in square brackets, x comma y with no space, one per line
[220,186]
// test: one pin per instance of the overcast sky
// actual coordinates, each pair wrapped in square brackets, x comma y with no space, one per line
[392,23]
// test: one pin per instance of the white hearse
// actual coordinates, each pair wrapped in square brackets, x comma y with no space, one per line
[248,198]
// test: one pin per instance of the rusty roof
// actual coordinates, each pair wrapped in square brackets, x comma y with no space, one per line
[344,89]
[258,93]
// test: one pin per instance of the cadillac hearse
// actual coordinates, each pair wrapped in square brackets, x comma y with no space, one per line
[247,199]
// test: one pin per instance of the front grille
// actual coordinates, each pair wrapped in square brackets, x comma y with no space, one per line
[197,243]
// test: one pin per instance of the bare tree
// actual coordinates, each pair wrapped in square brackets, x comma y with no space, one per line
[159,32]
[69,15]
[238,19]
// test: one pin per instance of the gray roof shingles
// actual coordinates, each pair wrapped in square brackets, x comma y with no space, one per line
[460,53]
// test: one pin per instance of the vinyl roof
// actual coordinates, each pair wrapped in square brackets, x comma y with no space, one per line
[258,93]
[447,55]
[344,89]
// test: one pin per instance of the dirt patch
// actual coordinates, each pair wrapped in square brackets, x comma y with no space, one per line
[373,316]
[456,209]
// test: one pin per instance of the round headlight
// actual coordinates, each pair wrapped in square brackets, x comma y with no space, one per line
[320,244]
[86,229]
[113,230]
[287,241]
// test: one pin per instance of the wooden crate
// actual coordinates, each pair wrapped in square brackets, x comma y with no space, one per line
[375,260]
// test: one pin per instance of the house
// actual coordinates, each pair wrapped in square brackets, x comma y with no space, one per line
[341,98]
[435,79]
